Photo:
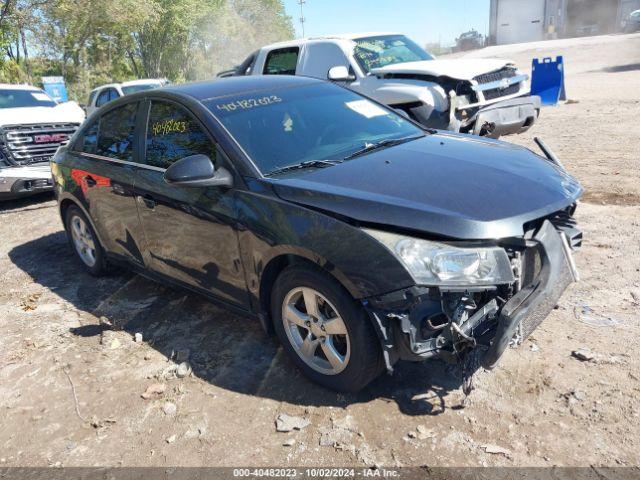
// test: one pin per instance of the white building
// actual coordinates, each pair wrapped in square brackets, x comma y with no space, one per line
[515,21]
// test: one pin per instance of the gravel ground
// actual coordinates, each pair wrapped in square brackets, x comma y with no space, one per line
[73,377]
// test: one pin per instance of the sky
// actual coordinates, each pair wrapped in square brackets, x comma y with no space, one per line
[424,21]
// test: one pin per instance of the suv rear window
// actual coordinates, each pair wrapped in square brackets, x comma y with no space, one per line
[282,61]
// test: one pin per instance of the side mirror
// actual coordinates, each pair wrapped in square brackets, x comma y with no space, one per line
[197,171]
[340,73]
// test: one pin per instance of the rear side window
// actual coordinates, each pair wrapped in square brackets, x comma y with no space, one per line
[172,134]
[282,61]
[89,141]
[115,137]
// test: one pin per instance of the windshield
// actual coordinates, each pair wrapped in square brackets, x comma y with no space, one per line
[139,87]
[375,52]
[11,98]
[313,122]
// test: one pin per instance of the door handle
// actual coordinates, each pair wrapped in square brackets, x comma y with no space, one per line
[148,201]
[91,182]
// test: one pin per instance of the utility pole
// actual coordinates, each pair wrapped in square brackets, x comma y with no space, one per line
[302,19]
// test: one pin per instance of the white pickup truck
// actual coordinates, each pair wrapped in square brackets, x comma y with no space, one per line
[32,127]
[487,97]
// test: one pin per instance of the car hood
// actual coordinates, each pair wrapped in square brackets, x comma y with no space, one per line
[68,112]
[460,69]
[453,186]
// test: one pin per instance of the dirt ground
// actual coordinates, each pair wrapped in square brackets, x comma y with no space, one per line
[72,375]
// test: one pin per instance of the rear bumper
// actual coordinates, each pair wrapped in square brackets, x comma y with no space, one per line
[506,118]
[23,181]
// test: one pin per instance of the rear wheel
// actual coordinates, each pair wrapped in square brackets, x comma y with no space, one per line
[85,242]
[324,330]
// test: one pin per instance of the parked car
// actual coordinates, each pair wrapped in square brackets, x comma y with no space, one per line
[106,93]
[32,127]
[632,22]
[470,40]
[486,97]
[358,236]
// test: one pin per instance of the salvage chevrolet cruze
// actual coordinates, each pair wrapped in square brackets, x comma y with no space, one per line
[359,237]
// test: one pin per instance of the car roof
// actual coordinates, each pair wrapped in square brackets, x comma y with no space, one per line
[142,81]
[223,87]
[340,36]
[106,85]
[13,86]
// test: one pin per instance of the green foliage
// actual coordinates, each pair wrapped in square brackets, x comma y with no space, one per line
[92,42]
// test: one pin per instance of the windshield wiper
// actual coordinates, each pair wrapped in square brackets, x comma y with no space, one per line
[370,147]
[305,164]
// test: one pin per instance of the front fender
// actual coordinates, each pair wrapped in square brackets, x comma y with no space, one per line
[401,91]
[271,227]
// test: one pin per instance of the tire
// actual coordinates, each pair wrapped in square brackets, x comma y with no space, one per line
[80,233]
[358,348]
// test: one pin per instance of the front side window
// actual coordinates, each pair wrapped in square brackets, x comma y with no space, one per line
[313,122]
[172,134]
[116,129]
[14,98]
[282,61]
[376,52]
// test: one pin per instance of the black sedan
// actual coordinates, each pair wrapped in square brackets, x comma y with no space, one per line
[359,237]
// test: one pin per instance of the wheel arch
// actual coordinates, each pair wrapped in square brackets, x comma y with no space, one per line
[278,262]
[68,201]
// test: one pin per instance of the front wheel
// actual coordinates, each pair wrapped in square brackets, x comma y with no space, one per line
[324,330]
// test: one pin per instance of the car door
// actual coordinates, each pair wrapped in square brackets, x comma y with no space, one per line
[190,231]
[320,57]
[105,157]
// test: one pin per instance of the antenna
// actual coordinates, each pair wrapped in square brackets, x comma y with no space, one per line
[302,19]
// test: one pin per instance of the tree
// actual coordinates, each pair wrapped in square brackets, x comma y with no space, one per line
[91,42]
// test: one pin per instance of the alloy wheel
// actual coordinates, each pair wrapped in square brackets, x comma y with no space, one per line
[316,330]
[83,241]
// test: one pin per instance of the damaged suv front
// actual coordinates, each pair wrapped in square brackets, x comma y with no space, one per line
[474,296]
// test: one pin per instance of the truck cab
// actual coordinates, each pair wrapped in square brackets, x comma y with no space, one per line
[106,93]
[488,97]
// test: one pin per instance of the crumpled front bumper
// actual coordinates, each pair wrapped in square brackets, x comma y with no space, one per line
[506,118]
[25,180]
[531,305]
[400,317]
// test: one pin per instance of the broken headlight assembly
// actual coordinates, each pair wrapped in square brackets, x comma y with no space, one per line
[442,264]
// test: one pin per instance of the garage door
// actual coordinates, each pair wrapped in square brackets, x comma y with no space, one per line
[520,21]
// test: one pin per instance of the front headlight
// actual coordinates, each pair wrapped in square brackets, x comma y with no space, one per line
[435,263]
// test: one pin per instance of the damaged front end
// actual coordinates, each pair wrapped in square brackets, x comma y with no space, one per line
[452,321]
